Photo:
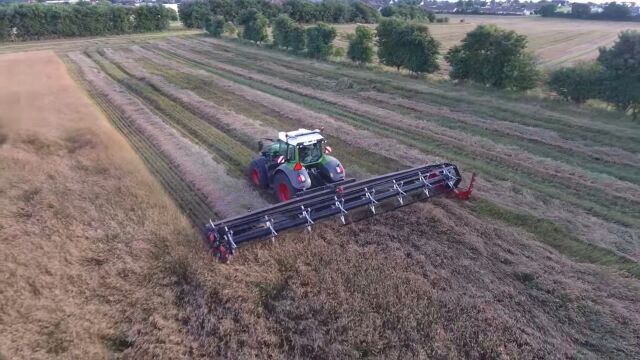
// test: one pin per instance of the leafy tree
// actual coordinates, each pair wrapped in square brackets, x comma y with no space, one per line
[389,11]
[418,49]
[495,57]
[215,25]
[621,72]
[580,10]
[255,26]
[4,23]
[578,84]
[297,39]
[281,31]
[35,21]
[247,15]
[401,44]
[548,10]
[360,12]
[334,11]
[361,45]
[151,18]
[301,10]
[320,40]
[615,11]
[407,12]
[388,49]
[193,14]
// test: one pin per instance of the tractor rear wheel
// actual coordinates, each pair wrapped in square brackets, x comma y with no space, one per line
[258,173]
[282,187]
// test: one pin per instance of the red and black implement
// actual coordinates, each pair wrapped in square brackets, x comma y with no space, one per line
[334,199]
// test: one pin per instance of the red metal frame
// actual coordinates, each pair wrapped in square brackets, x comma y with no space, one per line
[465,194]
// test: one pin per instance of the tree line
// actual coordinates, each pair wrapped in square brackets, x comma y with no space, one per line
[611,11]
[39,21]
[195,13]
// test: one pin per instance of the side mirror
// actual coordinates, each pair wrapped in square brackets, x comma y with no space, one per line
[260,145]
[327,150]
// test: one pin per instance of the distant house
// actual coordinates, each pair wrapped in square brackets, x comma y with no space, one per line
[52,2]
[441,8]
[173,7]
[492,9]
[596,9]
[506,10]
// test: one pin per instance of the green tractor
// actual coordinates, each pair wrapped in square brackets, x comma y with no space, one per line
[295,162]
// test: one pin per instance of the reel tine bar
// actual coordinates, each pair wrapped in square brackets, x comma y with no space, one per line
[431,180]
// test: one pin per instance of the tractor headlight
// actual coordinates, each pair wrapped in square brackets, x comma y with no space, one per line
[339,169]
[301,178]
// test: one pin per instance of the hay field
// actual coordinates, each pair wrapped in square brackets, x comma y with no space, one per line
[80,219]
[555,42]
[542,263]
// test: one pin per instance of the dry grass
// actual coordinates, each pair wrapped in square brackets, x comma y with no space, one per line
[78,217]
[571,175]
[227,195]
[579,219]
[409,284]
[609,154]
[306,117]
[96,262]
[206,109]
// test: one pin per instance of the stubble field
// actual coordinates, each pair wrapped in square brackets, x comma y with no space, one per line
[543,262]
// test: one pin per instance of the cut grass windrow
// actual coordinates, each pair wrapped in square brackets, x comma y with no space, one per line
[224,193]
[497,170]
[362,163]
[588,150]
[223,149]
[565,176]
[558,238]
[574,123]
[540,142]
[188,198]
[382,145]
[454,138]
[606,155]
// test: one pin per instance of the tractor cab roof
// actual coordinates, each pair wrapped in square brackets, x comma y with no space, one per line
[300,136]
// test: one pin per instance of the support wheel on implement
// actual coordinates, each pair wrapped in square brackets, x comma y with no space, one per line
[258,173]
[282,187]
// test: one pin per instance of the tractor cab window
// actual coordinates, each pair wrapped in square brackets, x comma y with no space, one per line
[291,152]
[278,148]
[310,153]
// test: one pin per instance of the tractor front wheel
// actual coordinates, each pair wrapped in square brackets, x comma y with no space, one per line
[282,187]
[258,173]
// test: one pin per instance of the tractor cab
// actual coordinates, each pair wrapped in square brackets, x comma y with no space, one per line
[294,162]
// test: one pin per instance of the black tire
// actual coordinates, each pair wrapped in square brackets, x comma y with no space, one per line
[258,173]
[282,187]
